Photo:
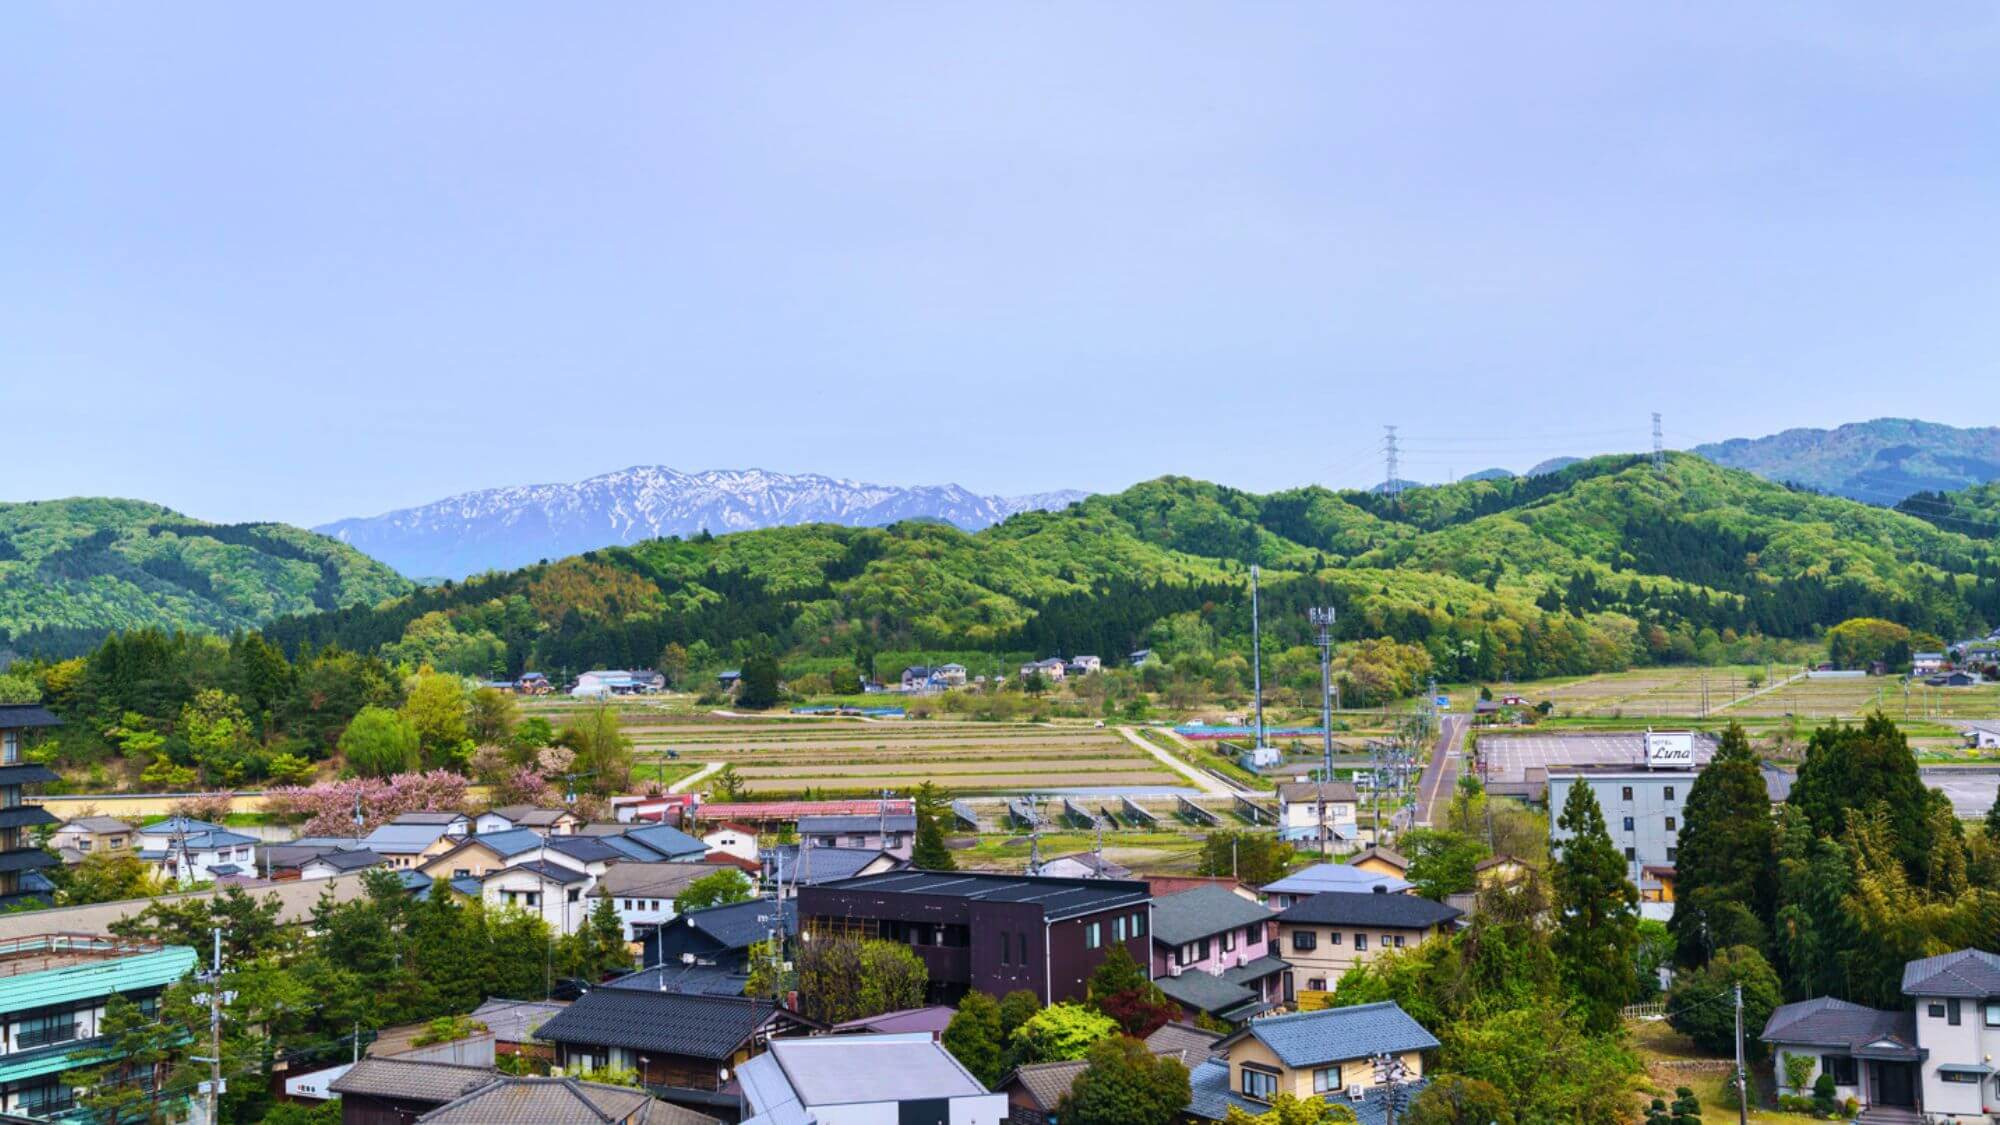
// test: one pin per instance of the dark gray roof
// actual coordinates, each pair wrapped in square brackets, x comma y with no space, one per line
[346,861]
[903,822]
[674,1023]
[515,1021]
[1058,898]
[1968,973]
[825,865]
[411,1079]
[553,872]
[700,978]
[98,824]
[670,842]
[1355,908]
[1190,1043]
[1332,1035]
[736,926]
[19,716]
[1826,1022]
[421,817]
[1257,970]
[1211,1097]
[1198,913]
[510,1100]
[1206,992]
[585,849]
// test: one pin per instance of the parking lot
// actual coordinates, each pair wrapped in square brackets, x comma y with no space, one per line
[1518,764]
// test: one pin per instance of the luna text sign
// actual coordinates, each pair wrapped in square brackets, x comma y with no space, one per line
[1669,749]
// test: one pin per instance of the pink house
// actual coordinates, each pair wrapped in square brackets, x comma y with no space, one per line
[1210,931]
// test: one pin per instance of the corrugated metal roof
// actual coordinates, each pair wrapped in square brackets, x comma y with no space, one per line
[151,969]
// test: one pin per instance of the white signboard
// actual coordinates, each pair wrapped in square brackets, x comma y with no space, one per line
[1669,749]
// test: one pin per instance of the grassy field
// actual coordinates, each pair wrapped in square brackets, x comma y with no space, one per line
[780,755]
[1678,693]
[1672,1060]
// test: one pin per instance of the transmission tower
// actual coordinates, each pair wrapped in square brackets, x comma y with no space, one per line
[1391,483]
[1659,445]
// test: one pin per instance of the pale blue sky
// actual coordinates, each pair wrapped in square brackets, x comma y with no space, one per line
[262,263]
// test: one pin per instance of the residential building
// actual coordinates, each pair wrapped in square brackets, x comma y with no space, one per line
[607,682]
[1052,669]
[1926,663]
[1209,930]
[1084,865]
[1139,657]
[1164,885]
[771,815]
[395,1091]
[1380,861]
[1327,934]
[95,835]
[512,1024]
[788,867]
[543,887]
[53,992]
[1935,1057]
[1643,812]
[1201,994]
[1304,806]
[644,893]
[950,675]
[328,864]
[864,1080]
[656,843]
[1327,1054]
[930,1020]
[685,1047]
[21,862]
[546,822]
[1035,1091]
[190,851]
[408,846]
[732,839]
[453,823]
[884,831]
[1322,878]
[1088,664]
[560,1101]
[1982,735]
[717,938]
[992,932]
[481,855]
[1507,870]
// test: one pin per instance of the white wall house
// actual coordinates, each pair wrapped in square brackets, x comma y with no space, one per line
[865,1080]
[1299,810]
[733,839]
[192,851]
[541,887]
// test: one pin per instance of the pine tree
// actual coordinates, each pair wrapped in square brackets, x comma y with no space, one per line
[1993,820]
[929,853]
[1597,910]
[1724,878]
[117,1074]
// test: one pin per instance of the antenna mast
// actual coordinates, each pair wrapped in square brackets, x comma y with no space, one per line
[1392,483]
[1323,618]
[1659,445]
[1256,657]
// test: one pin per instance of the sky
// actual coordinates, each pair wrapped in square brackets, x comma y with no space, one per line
[274,262]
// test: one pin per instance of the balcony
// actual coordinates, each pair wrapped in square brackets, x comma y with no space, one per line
[43,1036]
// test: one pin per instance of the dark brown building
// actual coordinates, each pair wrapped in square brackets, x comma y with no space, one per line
[388,1091]
[990,932]
[685,1047]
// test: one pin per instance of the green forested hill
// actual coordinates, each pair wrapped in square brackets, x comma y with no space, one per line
[1604,563]
[73,570]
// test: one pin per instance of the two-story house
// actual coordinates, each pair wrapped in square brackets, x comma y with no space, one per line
[1936,1057]
[685,1047]
[188,851]
[547,822]
[1328,1054]
[1307,807]
[644,893]
[991,932]
[892,833]
[21,862]
[1322,878]
[53,992]
[1327,934]
[94,835]
[1215,953]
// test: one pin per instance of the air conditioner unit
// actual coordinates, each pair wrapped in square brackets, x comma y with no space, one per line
[1356,1092]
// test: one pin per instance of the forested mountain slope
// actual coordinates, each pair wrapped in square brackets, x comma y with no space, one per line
[73,570]
[1602,563]
[1878,462]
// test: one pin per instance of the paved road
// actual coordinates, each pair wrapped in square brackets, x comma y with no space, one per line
[1434,789]
[1208,782]
[695,778]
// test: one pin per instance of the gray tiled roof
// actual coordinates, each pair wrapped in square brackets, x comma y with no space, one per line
[1190,1043]
[515,1021]
[670,842]
[1826,1022]
[585,849]
[674,1023]
[411,1079]
[1267,965]
[821,865]
[1058,898]
[1206,992]
[1967,973]
[903,822]
[20,716]
[1334,1034]
[1333,792]
[347,861]
[736,926]
[1208,1083]
[553,872]
[699,979]
[1047,1083]
[633,879]
[1201,912]
[98,824]
[510,1100]
[1348,908]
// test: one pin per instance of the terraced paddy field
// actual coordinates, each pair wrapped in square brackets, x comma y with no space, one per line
[782,755]
[1852,698]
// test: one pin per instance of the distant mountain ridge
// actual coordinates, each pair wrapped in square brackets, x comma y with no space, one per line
[502,528]
[1882,461]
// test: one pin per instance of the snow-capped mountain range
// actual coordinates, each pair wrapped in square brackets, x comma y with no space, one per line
[501,528]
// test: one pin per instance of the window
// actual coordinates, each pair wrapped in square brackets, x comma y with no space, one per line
[1023,939]
[1936,1010]
[1138,924]
[1304,940]
[1951,1011]
[1259,1084]
[1843,1068]
[10,747]
[1965,1076]
[1399,941]
[1669,794]
[628,904]
[1326,1080]
[1186,954]
[1315,984]
[576,894]
[1333,937]
[1006,949]
[1993,1013]
[38,1031]
[1228,940]
[1629,853]
[1360,943]
[1118,928]
[1093,935]
[1628,824]
[1670,824]
[1627,793]
[83,845]
[1673,855]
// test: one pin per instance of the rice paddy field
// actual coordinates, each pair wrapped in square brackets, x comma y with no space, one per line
[782,755]
[1679,693]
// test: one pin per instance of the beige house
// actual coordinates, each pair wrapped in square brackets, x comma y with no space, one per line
[1327,934]
[1500,871]
[1381,861]
[1327,1055]
[94,835]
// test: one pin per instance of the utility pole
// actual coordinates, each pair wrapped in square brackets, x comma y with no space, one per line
[1323,618]
[213,979]
[1742,1094]
[1256,658]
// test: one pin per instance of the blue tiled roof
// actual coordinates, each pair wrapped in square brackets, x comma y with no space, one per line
[1335,1034]
[511,842]
[1211,1097]
[670,842]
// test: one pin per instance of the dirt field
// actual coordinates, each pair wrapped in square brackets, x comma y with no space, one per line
[1678,693]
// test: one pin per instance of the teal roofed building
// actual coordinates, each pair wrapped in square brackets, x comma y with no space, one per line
[53,991]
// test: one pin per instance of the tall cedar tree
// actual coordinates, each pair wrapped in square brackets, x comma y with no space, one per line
[1126,1084]
[1598,914]
[1993,820]
[758,689]
[1723,878]
[929,852]
[1856,767]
